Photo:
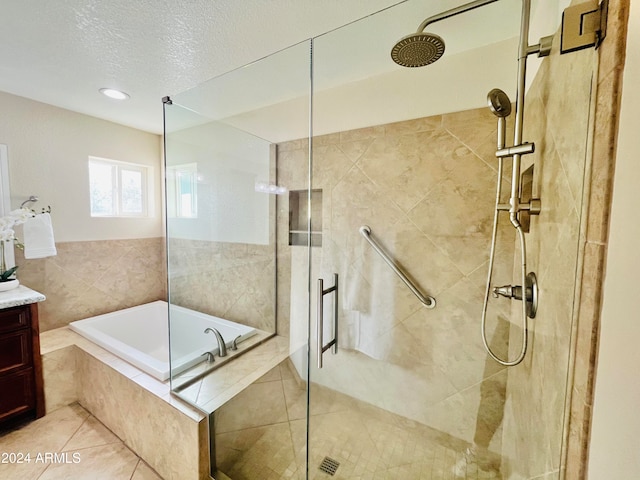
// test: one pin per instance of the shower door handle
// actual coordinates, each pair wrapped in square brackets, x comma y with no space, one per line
[320,320]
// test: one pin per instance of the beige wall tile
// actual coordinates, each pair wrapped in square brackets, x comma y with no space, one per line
[272,445]
[602,164]
[232,281]
[558,113]
[58,370]
[95,277]
[431,208]
[259,404]
[156,420]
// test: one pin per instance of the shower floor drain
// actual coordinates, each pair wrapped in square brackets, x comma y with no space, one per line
[329,465]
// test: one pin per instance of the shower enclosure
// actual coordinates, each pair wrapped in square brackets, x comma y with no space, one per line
[341,206]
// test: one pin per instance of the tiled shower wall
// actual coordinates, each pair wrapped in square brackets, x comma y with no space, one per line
[95,277]
[232,280]
[607,88]
[426,188]
[235,281]
[557,115]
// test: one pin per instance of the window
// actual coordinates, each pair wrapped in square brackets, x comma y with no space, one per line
[117,189]
[182,192]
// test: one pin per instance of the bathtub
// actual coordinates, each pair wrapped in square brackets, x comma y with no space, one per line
[140,335]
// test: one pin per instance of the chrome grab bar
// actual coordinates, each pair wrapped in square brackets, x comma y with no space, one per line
[320,320]
[426,300]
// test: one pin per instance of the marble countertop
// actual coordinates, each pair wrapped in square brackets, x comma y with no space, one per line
[20,296]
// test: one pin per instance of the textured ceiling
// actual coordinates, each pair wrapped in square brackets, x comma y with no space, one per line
[61,52]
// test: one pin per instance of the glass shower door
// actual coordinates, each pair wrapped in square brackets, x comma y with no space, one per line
[304,240]
[404,167]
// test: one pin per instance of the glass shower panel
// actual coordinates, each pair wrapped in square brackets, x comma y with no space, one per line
[223,194]
[237,186]
[221,243]
[405,157]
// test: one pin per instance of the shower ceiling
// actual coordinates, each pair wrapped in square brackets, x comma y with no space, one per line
[62,53]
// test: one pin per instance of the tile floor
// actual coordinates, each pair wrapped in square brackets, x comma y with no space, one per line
[260,434]
[86,450]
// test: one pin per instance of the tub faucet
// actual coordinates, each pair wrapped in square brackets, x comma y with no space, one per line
[222,348]
[210,357]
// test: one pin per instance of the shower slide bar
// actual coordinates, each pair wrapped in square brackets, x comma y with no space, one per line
[426,300]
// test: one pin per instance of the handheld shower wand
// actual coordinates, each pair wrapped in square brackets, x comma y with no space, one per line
[527,292]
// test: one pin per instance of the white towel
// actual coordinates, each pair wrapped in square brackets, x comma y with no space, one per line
[38,237]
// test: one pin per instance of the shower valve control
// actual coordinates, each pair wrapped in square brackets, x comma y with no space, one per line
[515,292]
[510,291]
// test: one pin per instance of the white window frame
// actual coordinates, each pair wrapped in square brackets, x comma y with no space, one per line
[117,167]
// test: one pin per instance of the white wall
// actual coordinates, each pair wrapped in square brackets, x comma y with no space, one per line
[349,72]
[615,438]
[48,149]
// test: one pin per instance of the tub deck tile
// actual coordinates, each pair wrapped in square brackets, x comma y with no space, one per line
[204,396]
[63,337]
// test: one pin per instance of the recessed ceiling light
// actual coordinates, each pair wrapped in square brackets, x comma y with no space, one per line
[115,94]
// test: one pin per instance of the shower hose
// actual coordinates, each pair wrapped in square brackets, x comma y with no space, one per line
[525,318]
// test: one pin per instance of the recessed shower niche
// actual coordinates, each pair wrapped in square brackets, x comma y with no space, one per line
[299,214]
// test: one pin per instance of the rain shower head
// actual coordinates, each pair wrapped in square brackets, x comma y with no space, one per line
[499,103]
[420,49]
[417,50]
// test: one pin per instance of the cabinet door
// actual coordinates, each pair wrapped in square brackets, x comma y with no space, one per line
[13,318]
[15,351]
[17,395]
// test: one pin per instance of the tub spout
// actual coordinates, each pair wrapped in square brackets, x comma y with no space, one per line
[222,348]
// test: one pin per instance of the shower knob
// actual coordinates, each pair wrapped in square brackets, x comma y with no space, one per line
[515,292]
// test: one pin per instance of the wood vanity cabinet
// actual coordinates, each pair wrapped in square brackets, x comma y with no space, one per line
[21,385]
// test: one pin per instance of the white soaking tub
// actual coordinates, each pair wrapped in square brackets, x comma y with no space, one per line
[140,335]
